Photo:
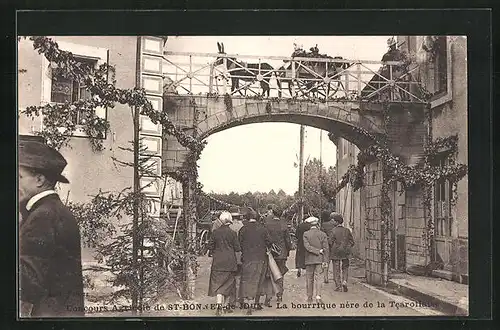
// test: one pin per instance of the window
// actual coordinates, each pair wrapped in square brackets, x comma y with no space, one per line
[440,66]
[437,67]
[70,90]
[442,205]
[345,147]
[57,89]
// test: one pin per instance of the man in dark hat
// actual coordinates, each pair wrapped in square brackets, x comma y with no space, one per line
[300,251]
[254,241]
[50,278]
[341,244]
[327,227]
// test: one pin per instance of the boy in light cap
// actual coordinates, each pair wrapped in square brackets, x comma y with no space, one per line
[316,258]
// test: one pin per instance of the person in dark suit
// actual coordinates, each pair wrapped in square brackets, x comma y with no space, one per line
[50,268]
[254,241]
[395,55]
[316,245]
[280,236]
[341,243]
[327,227]
[223,245]
[271,213]
[236,226]
[300,252]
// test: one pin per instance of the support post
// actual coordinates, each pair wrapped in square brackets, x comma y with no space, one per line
[358,67]
[135,220]
[301,174]
[211,80]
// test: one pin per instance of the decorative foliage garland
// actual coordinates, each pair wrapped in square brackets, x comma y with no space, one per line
[430,45]
[395,170]
[58,126]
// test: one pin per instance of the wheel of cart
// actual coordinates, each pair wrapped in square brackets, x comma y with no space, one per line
[203,242]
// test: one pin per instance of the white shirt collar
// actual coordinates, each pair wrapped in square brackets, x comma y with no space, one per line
[37,197]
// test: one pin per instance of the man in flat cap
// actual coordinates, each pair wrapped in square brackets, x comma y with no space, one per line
[341,244]
[50,274]
[316,258]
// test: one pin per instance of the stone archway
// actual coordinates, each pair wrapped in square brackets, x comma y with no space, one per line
[360,123]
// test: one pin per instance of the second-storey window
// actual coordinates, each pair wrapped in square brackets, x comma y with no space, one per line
[440,65]
[56,88]
[70,90]
[442,204]
[345,148]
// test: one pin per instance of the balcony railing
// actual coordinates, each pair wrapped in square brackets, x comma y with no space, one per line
[325,79]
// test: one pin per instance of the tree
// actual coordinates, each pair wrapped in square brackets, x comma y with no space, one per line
[319,187]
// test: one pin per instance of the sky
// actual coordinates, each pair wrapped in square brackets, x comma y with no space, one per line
[261,157]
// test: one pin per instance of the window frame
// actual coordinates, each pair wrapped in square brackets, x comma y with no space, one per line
[345,148]
[447,95]
[83,51]
[446,216]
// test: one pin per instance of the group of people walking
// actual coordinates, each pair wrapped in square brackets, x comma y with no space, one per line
[316,247]
[254,253]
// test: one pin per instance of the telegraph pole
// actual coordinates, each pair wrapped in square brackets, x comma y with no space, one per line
[320,171]
[301,174]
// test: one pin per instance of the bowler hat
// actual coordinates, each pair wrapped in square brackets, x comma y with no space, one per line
[39,156]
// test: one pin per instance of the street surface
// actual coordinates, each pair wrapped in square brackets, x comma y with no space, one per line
[360,300]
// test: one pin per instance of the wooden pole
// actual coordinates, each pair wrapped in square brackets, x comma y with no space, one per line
[301,174]
[320,171]
[135,220]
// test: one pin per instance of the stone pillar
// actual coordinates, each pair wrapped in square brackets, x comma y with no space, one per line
[374,268]
[189,237]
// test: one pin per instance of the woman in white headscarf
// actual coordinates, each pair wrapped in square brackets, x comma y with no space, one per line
[223,246]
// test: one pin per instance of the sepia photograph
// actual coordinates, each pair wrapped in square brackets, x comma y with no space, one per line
[242,176]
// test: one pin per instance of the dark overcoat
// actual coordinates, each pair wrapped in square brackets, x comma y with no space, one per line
[341,243]
[280,235]
[300,252]
[327,227]
[254,239]
[223,246]
[50,260]
[314,241]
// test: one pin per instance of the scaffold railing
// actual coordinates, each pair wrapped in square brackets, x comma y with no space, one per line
[326,79]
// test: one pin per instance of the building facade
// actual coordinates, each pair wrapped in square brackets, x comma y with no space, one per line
[89,171]
[443,72]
